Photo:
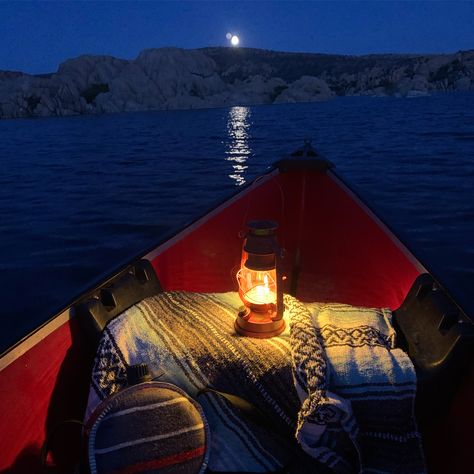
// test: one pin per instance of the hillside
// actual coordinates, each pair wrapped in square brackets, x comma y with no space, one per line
[172,78]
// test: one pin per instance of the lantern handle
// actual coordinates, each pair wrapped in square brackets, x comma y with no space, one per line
[279,283]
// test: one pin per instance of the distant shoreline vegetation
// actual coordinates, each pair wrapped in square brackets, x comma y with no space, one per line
[172,78]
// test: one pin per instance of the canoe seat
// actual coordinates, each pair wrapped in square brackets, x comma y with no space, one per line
[438,336]
[136,282]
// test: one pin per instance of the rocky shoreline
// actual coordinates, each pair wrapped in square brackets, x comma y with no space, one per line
[172,78]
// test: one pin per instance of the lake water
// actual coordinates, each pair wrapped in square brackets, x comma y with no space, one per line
[80,195]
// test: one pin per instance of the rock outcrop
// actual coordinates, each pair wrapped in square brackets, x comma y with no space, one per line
[172,78]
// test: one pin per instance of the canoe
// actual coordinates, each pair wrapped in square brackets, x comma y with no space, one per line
[336,250]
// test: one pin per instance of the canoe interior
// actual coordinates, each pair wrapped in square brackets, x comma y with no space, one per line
[336,250]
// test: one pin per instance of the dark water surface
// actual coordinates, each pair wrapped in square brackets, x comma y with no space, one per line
[80,195]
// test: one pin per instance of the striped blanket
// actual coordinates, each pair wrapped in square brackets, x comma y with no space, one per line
[344,394]
[357,389]
[189,340]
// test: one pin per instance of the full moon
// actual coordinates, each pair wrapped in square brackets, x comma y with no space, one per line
[234,40]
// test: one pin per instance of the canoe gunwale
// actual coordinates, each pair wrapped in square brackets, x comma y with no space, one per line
[65,312]
[403,244]
[376,217]
[34,337]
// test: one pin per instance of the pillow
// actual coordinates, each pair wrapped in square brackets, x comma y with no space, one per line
[152,427]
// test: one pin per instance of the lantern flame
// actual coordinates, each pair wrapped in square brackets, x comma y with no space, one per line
[261,294]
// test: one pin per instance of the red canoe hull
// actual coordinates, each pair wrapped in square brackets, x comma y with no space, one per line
[341,251]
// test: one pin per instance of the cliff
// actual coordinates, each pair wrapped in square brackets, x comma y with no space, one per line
[172,78]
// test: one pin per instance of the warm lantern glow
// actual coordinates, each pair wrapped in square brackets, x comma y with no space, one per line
[261,293]
[258,288]
[258,279]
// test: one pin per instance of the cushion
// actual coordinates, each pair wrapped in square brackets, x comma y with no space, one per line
[150,427]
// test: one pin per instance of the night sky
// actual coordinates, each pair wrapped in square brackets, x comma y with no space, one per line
[36,36]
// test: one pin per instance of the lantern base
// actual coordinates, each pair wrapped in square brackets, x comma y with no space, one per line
[252,324]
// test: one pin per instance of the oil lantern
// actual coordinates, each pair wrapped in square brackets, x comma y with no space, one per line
[259,280]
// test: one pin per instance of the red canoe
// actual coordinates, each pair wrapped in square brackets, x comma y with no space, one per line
[336,249]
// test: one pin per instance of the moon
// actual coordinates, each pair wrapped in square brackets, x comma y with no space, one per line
[234,41]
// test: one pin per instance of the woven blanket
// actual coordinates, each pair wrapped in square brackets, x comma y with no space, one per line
[337,381]
[189,340]
[357,389]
